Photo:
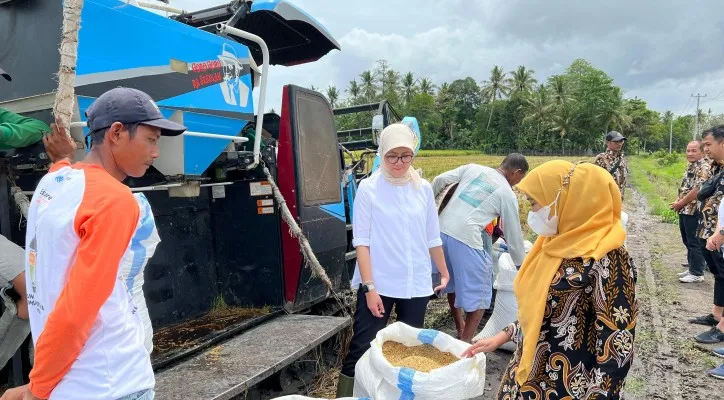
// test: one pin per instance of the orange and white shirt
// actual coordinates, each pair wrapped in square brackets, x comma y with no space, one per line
[88,337]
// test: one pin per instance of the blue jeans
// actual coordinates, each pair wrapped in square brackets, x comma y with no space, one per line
[147,394]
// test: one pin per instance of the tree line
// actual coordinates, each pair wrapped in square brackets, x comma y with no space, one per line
[513,111]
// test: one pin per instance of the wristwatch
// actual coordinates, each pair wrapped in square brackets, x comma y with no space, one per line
[721,231]
[367,287]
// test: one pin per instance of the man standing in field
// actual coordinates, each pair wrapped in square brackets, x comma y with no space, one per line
[686,205]
[612,159]
[482,195]
[80,224]
[711,234]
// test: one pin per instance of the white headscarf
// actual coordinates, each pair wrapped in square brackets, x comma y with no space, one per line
[392,137]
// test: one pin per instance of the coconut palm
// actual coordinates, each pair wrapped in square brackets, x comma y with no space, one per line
[354,89]
[559,90]
[493,89]
[368,85]
[540,108]
[409,86]
[333,96]
[426,86]
[521,81]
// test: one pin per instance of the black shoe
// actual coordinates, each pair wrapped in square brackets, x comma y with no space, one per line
[713,335]
[707,320]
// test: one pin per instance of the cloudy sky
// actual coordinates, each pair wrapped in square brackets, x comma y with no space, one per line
[659,50]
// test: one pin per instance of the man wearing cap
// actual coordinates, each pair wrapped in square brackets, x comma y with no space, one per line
[86,329]
[612,159]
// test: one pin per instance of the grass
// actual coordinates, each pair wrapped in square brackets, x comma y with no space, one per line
[658,184]
[635,385]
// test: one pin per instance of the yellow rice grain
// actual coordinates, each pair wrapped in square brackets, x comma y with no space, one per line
[424,358]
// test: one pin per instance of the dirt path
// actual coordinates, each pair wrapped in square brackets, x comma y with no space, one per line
[668,364]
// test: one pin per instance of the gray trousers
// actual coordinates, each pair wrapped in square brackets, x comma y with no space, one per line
[13,330]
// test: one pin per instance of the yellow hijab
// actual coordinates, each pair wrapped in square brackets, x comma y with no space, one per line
[589,226]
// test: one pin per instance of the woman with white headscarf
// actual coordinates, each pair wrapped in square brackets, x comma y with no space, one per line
[396,233]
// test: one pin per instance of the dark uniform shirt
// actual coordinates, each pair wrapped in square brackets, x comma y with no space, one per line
[696,174]
[710,207]
[608,160]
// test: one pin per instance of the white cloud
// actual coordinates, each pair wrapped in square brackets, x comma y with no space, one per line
[659,50]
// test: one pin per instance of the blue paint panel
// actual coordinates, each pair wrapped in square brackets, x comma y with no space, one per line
[116,36]
[210,98]
[411,122]
[200,152]
[351,192]
[336,210]
[83,104]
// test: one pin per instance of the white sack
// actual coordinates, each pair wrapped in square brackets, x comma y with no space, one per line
[376,378]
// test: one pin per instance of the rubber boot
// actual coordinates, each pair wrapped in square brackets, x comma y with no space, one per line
[345,386]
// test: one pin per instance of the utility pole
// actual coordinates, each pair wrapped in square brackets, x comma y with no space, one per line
[698,97]
[671,130]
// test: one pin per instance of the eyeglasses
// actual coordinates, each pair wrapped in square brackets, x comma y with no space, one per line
[406,159]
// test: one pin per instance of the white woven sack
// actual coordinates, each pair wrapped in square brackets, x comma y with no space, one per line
[504,314]
[376,378]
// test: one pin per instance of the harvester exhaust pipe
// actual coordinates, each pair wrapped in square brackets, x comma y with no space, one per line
[223,28]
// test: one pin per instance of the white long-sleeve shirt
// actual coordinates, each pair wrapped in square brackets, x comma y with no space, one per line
[399,224]
[482,194]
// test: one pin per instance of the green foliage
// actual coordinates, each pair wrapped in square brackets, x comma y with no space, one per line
[658,184]
[514,111]
[665,159]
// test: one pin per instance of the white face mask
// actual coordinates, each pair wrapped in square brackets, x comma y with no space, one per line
[539,222]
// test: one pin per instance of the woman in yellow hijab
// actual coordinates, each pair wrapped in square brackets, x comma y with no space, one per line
[576,292]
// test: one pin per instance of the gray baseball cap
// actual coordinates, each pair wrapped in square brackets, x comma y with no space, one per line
[614,136]
[129,106]
[5,75]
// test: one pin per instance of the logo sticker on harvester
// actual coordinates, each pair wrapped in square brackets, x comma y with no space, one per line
[234,90]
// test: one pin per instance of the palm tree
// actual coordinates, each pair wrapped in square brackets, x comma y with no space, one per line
[494,88]
[354,88]
[333,95]
[521,81]
[540,109]
[409,86]
[426,86]
[368,85]
[563,122]
[559,87]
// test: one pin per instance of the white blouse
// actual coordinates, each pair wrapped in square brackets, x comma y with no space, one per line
[399,224]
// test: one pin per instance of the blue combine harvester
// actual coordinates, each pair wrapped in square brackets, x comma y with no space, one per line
[222,238]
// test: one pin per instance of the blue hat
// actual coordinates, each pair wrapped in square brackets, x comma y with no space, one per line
[129,106]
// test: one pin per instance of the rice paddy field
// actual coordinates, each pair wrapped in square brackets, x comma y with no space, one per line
[435,162]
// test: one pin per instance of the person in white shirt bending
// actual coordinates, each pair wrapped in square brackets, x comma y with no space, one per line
[482,195]
[396,233]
